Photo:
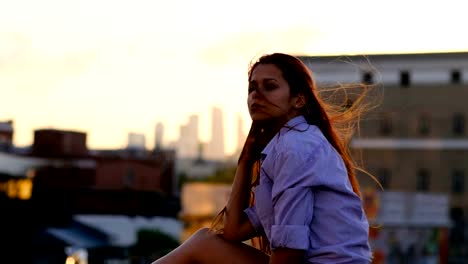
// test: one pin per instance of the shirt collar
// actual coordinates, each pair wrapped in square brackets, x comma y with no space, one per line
[295,121]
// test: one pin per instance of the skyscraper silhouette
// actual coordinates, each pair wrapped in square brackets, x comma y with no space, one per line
[158,136]
[240,135]
[136,143]
[187,145]
[215,148]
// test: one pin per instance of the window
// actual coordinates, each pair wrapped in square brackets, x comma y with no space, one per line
[458,124]
[424,124]
[458,181]
[455,77]
[422,180]
[384,175]
[458,225]
[386,126]
[367,78]
[405,79]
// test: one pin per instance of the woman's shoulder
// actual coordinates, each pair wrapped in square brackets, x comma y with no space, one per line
[303,139]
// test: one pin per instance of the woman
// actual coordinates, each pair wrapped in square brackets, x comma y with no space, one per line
[305,206]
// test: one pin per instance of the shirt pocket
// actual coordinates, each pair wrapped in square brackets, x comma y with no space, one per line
[264,206]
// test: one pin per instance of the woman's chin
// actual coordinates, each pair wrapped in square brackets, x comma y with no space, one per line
[266,117]
[260,117]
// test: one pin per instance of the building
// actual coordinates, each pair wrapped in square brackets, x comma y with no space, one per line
[215,148]
[49,143]
[60,178]
[136,141]
[201,202]
[6,135]
[417,139]
[241,137]
[158,136]
[188,143]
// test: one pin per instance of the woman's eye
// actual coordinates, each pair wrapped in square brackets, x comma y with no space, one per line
[270,87]
[251,89]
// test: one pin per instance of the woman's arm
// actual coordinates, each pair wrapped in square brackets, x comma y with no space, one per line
[236,223]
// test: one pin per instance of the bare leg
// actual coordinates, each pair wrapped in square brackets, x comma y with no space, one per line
[205,247]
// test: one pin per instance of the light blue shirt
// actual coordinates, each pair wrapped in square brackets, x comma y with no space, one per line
[305,201]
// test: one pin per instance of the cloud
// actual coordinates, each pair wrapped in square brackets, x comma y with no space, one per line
[248,45]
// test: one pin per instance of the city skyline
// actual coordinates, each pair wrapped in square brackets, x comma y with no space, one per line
[189,144]
[168,60]
[190,131]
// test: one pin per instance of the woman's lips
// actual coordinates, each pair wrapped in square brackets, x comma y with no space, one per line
[255,107]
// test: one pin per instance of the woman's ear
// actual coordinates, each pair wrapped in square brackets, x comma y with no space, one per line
[299,101]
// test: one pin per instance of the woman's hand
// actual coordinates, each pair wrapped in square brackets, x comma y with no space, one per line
[259,136]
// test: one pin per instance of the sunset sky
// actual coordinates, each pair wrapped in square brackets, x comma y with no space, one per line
[112,67]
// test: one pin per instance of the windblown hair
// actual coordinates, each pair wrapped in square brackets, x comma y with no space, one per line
[335,111]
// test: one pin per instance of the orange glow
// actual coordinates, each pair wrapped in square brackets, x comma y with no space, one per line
[17,189]
[70,260]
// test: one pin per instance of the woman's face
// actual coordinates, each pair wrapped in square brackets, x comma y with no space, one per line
[269,94]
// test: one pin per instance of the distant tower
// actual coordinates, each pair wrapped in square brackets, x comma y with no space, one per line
[187,145]
[136,141]
[136,145]
[193,135]
[240,135]
[158,137]
[215,149]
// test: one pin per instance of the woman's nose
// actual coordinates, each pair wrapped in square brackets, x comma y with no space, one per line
[256,94]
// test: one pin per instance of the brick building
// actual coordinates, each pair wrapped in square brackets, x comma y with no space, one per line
[73,171]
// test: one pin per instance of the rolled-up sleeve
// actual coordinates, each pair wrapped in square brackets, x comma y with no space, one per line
[293,213]
[251,213]
[293,202]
